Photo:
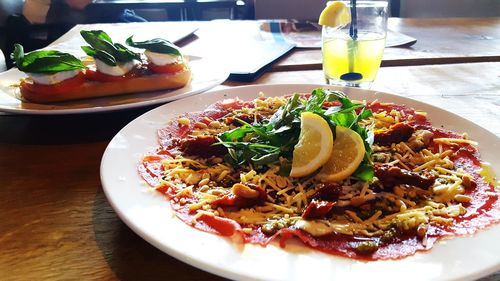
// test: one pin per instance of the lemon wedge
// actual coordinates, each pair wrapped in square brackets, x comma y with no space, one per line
[348,152]
[335,14]
[314,147]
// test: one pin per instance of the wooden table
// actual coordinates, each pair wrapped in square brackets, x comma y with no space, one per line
[56,224]
[440,41]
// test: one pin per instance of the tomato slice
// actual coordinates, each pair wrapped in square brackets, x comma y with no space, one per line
[166,69]
[102,77]
[58,88]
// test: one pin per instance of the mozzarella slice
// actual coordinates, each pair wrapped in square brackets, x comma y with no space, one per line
[50,79]
[162,59]
[118,70]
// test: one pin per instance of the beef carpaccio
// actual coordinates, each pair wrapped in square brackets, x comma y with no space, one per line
[417,184]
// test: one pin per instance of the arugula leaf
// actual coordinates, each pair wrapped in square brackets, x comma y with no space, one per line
[331,124]
[285,167]
[266,159]
[316,101]
[103,48]
[343,119]
[156,45]
[44,61]
[235,134]
[256,129]
[254,153]
[287,113]
[364,172]
[273,141]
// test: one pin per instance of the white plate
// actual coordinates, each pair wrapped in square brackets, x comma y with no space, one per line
[205,76]
[149,214]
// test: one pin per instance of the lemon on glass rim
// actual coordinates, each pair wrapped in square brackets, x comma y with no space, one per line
[347,153]
[335,14]
[314,147]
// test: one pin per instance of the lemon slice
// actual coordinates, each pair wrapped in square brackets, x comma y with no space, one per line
[335,14]
[314,146]
[348,152]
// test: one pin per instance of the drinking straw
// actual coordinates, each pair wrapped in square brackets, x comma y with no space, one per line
[353,29]
[353,32]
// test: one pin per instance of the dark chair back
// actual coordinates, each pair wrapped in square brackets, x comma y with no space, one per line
[32,36]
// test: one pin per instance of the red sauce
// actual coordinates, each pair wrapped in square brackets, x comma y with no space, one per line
[482,211]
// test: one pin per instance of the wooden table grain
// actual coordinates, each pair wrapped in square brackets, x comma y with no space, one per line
[439,41]
[56,224]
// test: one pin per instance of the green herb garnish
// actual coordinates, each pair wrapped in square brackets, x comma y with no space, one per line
[157,45]
[44,61]
[273,141]
[102,48]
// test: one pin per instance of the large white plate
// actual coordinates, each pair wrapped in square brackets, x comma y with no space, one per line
[205,76]
[149,214]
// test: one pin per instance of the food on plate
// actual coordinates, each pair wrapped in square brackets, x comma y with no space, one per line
[392,184]
[112,69]
[49,72]
[163,56]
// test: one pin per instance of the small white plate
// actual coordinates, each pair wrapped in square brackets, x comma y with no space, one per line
[205,77]
[149,214]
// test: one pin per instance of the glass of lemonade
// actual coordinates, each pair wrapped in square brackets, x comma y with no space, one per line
[352,53]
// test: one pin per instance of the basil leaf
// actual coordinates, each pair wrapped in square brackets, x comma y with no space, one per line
[99,40]
[88,50]
[18,54]
[105,57]
[100,35]
[45,61]
[124,54]
[104,48]
[157,45]
[99,54]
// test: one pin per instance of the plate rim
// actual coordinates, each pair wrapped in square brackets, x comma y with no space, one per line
[223,271]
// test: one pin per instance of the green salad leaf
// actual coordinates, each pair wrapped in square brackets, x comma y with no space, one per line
[102,48]
[44,61]
[156,45]
[272,141]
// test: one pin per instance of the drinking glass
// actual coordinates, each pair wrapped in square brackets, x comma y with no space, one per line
[352,54]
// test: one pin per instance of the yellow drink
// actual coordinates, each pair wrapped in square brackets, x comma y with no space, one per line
[353,62]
